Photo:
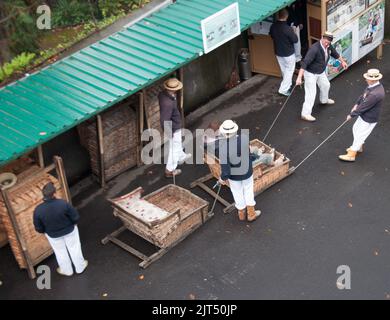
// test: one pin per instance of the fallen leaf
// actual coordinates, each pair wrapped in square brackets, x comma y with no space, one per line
[350,205]
[141,277]
[191,296]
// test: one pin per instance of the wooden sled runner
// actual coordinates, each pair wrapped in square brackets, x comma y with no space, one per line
[163,218]
[264,176]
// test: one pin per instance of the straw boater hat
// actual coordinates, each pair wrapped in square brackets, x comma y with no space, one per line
[373,74]
[228,128]
[328,35]
[7,180]
[173,84]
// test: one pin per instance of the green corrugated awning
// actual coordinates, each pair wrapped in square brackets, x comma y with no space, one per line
[43,105]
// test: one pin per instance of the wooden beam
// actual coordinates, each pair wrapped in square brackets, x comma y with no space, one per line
[40,156]
[181,101]
[19,237]
[62,177]
[140,116]
[379,52]
[99,126]
[324,17]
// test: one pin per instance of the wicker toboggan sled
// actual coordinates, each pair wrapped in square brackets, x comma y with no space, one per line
[264,176]
[163,218]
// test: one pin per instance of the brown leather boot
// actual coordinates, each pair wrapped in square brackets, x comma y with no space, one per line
[349,157]
[241,215]
[252,213]
[360,151]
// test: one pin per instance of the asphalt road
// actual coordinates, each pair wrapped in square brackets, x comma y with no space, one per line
[327,214]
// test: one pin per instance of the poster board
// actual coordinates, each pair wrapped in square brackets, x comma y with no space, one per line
[220,27]
[359,35]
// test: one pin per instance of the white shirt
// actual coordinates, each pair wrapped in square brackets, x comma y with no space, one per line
[325,51]
[374,85]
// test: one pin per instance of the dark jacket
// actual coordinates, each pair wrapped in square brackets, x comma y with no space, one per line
[234,157]
[169,110]
[284,38]
[314,60]
[56,217]
[370,103]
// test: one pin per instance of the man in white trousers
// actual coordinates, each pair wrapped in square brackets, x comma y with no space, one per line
[170,120]
[367,110]
[313,68]
[237,170]
[284,38]
[57,219]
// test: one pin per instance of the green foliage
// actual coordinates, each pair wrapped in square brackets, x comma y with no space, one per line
[18,63]
[71,12]
[110,8]
[23,31]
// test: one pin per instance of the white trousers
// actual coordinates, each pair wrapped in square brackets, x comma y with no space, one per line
[69,243]
[287,66]
[297,46]
[243,193]
[175,153]
[311,81]
[361,131]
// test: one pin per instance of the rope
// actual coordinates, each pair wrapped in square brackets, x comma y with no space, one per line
[311,153]
[281,109]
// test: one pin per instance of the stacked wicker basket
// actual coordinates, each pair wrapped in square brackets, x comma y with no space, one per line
[120,141]
[17,205]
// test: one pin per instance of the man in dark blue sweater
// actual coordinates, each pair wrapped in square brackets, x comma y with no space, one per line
[284,39]
[236,169]
[366,110]
[57,219]
[313,68]
[170,120]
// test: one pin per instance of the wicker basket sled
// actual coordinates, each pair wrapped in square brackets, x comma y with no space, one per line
[264,176]
[163,218]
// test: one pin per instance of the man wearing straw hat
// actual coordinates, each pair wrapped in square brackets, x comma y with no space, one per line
[313,68]
[236,168]
[170,120]
[366,110]
[57,219]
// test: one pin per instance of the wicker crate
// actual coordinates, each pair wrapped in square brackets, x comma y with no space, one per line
[162,217]
[22,168]
[120,140]
[263,176]
[24,197]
